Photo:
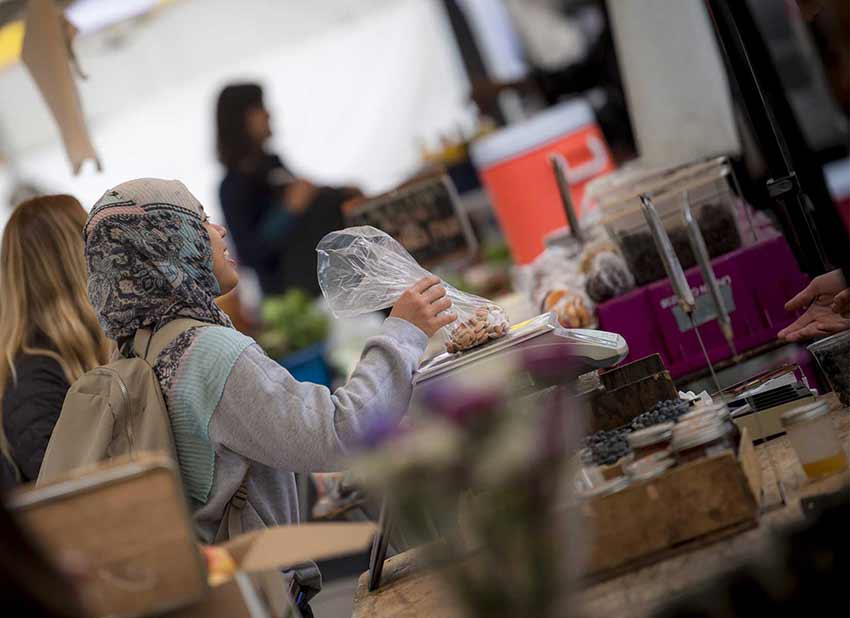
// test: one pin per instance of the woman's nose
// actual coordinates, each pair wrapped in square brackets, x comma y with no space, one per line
[220,229]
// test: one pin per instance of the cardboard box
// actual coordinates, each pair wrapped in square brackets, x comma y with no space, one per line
[257,590]
[129,523]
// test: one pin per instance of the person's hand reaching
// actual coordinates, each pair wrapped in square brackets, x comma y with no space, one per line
[425,305]
[299,195]
[825,301]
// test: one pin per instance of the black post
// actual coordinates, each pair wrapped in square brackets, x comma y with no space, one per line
[796,186]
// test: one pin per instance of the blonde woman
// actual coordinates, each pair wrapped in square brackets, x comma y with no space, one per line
[49,334]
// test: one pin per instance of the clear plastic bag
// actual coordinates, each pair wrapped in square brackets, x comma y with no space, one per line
[608,277]
[572,306]
[553,282]
[362,269]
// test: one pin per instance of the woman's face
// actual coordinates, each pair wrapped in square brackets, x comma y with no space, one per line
[258,125]
[224,266]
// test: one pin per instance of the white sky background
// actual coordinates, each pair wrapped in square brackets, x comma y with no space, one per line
[353,86]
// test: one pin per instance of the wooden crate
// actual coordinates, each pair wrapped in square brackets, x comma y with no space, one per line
[612,409]
[623,375]
[695,503]
[128,522]
[630,390]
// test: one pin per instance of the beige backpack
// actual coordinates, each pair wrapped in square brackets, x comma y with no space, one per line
[115,410]
[118,411]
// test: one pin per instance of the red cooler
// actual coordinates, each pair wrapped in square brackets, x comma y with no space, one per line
[515,167]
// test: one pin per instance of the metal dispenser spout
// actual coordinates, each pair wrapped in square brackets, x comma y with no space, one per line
[674,270]
[697,243]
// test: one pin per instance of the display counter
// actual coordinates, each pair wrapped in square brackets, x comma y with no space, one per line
[410,589]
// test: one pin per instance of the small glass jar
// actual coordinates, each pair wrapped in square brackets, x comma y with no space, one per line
[698,413]
[616,469]
[588,383]
[701,439]
[588,474]
[605,489]
[719,411]
[649,467]
[813,437]
[693,423]
[833,356]
[653,439]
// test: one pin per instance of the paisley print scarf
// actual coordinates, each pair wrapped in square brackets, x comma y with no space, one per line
[149,258]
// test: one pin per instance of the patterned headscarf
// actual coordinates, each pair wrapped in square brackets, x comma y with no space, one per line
[150,258]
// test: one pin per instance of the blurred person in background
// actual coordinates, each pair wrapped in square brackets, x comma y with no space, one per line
[276,219]
[571,49]
[49,334]
[829,22]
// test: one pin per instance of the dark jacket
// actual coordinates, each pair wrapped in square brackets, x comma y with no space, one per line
[278,246]
[31,406]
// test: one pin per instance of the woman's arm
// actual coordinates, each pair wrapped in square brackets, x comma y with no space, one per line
[266,415]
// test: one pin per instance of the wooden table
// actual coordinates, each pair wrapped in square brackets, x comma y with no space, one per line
[408,590]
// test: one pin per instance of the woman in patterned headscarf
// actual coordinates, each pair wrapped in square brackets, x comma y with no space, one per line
[239,418]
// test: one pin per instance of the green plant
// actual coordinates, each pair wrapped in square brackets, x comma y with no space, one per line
[291,322]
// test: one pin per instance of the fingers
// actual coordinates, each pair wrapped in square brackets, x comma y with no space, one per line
[424,284]
[441,305]
[815,323]
[841,303]
[445,319]
[796,325]
[807,332]
[434,293]
[803,299]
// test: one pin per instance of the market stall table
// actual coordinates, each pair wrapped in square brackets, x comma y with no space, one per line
[408,590]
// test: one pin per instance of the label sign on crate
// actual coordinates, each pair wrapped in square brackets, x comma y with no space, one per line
[704,307]
[425,217]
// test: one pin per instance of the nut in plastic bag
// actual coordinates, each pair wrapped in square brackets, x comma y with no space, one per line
[487,323]
[362,269]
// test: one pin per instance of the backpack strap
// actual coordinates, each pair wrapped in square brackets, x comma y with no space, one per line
[149,347]
[233,512]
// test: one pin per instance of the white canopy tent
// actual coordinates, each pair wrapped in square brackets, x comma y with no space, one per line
[354,87]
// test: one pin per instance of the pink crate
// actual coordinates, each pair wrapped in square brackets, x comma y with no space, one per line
[762,278]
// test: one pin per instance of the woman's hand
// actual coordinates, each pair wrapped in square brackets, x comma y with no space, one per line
[425,305]
[826,302]
[299,195]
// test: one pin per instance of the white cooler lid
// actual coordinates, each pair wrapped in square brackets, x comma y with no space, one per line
[519,138]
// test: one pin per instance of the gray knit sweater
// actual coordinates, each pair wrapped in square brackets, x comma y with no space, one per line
[267,426]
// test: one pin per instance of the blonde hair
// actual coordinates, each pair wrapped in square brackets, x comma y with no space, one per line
[43,298]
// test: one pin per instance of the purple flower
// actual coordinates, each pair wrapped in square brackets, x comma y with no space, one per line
[462,405]
[379,430]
